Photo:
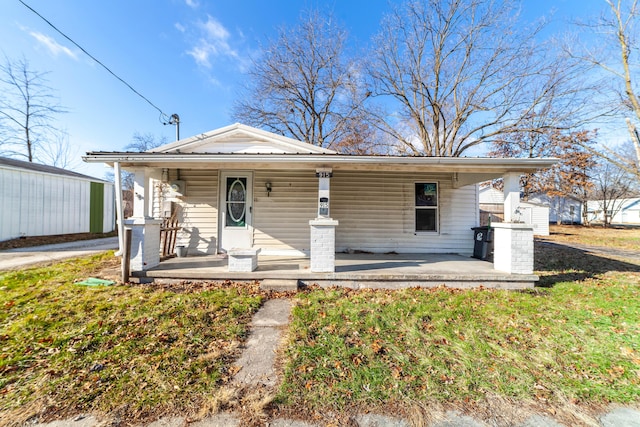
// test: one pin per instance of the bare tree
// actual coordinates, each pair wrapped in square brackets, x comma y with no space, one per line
[612,184]
[58,151]
[27,110]
[141,142]
[464,72]
[616,32]
[304,86]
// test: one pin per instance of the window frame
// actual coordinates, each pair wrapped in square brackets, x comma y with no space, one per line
[435,208]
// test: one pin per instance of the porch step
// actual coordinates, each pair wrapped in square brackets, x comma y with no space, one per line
[279,285]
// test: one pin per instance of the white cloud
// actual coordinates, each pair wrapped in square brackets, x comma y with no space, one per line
[194,4]
[180,27]
[53,46]
[215,30]
[213,43]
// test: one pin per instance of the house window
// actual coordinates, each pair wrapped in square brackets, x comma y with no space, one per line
[426,206]
[571,210]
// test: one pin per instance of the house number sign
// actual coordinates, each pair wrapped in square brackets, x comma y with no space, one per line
[324,174]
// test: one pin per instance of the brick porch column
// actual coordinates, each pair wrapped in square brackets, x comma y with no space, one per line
[323,245]
[323,228]
[145,242]
[513,247]
[145,231]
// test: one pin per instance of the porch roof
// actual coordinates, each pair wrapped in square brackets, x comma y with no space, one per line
[263,161]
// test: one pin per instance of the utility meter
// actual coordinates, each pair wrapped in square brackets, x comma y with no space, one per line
[323,207]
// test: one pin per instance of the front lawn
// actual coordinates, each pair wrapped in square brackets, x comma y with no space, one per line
[577,341]
[133,349]
[137,352]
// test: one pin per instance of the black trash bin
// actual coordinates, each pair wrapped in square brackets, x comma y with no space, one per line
[483,239]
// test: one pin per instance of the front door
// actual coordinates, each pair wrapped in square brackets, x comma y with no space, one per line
[236,197]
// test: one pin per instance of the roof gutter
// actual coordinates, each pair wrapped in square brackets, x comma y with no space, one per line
[440,162]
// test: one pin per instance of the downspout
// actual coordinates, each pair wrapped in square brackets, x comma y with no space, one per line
[119,210]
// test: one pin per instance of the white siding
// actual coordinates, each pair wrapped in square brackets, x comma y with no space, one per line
[626,211]
[538,217]
[39,204]
[281,220]
[560,208]
[376,213]
[109,218]
[198,211]
[491,196]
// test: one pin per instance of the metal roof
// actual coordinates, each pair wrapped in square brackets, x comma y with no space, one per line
[37,167]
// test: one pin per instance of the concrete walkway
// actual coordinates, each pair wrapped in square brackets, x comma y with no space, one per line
[13,259]
[257,362]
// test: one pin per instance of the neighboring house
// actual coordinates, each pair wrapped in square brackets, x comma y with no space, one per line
[40,200]
[562,210]
[241,187]
[491,202]
[622,211]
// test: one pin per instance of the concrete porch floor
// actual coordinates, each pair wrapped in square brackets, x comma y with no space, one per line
[352,270]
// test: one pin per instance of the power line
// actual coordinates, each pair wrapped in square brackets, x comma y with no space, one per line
[164,116]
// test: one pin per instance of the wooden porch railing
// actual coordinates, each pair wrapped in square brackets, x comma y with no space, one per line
[168,234]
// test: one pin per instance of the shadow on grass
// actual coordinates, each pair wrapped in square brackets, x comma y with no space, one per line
[555,263]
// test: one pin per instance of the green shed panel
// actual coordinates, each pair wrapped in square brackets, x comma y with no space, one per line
[96,210]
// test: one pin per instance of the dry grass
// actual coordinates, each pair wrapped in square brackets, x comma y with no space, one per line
[618,237]
[134,350]
[566,352]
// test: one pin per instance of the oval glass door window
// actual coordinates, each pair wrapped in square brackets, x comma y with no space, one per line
[236,202]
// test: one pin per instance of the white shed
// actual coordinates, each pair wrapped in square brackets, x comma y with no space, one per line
[40,200]
[537,215]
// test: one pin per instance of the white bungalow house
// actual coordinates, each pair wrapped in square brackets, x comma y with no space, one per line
[240,190]
[42,200]
[622,211]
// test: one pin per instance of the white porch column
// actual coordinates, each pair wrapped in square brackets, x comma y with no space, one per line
[511,195]
[145,231]
[117,175]
[513,247]
[141,193]
[145,243]
[512,241]
[323,228]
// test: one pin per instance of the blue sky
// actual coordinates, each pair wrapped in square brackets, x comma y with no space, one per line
[186,56]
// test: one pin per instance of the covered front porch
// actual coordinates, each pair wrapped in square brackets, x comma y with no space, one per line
[243,190]
[356,270]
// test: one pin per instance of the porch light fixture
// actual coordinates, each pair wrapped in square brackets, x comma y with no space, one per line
[267,185]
